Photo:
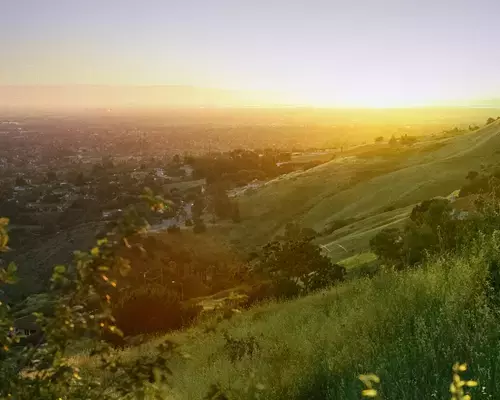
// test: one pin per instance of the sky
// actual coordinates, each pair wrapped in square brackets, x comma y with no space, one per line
[316,52]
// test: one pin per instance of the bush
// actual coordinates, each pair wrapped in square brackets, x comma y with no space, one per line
[388,245]
[295,265]
[430,228]
[408,140]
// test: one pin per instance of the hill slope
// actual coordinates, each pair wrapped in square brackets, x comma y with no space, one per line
[313,348]
[360,188]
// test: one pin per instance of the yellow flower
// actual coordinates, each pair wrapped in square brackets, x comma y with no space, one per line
[369,393]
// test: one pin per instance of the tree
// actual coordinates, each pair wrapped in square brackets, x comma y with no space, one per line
[235,213]
[393,141]
[197,212]
[429,228]
[379,139]
[471,175]
[20,181]
[221,204]
[198,207]
[297,266]
[407,140]
[51,176]
[490,120]
[80,179]
[388,245]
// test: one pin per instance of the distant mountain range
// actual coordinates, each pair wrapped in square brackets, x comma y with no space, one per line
[169,96]
[84,96]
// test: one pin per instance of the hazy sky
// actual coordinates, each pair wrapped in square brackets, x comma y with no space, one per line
[359,52]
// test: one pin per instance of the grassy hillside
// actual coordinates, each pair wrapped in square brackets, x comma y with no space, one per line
[407,327]
[362,187]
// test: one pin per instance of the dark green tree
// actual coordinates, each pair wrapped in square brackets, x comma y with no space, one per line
[388,246]
[297,266]
[51,176]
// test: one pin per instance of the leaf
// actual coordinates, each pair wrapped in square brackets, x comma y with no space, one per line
[123,266]
[116,330]
[12,268]
[4,239]
[59,269]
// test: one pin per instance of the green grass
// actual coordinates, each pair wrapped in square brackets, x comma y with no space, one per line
[330,191]
[407,327]
[354,238]
[358,260]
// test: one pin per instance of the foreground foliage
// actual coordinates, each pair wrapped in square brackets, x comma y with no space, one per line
[83,312]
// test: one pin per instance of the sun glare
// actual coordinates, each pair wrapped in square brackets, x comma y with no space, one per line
[361,96]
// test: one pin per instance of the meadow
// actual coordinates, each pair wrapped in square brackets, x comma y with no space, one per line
[407,327]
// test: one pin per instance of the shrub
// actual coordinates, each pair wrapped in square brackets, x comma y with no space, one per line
[388,245]
[237,349]
[295,265]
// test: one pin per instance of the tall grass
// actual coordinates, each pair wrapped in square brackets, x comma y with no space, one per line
[407,327]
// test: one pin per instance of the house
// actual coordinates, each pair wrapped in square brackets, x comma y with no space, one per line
[107,214]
